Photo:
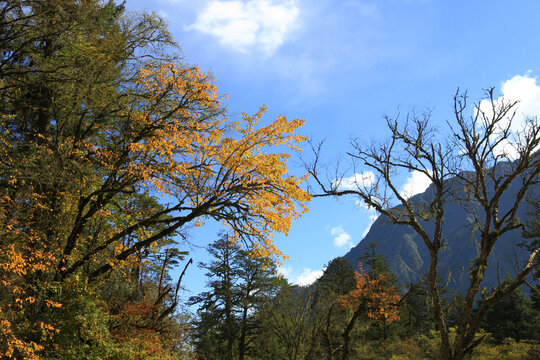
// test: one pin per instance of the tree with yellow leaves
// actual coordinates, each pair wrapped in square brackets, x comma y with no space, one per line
[108,152]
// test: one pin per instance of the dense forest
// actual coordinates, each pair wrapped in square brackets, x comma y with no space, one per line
[249,313]
[111,147]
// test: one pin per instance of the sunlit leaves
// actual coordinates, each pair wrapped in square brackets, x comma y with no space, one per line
[109,151]
[381,300]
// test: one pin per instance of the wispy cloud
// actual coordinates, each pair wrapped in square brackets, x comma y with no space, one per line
[341,237]
[358,180]
[243,25]
[308,277]
[417,183]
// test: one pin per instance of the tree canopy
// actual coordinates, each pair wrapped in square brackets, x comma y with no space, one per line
[110,146]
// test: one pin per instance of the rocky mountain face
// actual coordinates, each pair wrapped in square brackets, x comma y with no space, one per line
[408,256]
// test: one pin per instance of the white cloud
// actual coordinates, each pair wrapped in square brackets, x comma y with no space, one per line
[363,180]
[417,183]
[305,278]
[341,237]
[524,90]
[242,25]
[308,277]
[286,271]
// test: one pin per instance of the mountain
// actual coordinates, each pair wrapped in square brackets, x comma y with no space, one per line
[408,256]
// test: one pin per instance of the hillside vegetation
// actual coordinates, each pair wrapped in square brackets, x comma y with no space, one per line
[112,147]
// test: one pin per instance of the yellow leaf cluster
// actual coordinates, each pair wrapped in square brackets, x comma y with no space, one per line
[10,343]
[228,169]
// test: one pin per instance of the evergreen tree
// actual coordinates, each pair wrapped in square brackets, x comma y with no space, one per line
[257,283]
[240,282]
[511,317]
[98,117]
[288,325]
[217,304]
[532,233]
[377,264]
[337,280]
[416,315]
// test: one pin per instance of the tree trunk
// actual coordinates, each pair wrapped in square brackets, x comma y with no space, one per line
[327,334]
[243,332]
[446,352]
[347,333]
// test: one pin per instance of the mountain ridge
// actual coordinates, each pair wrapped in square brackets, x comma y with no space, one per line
[408,256]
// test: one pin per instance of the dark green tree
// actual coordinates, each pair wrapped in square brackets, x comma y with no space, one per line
[532,232]
[240,283]
[511,317]
[416,315]
[218,303]
[287,326]
[257,284]
[98,117]
[377,264]
[330,317]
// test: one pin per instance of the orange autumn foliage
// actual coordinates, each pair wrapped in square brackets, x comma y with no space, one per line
[70,205]
[109,152]
[14,264]
[381,300]
[177,143]
[216,163]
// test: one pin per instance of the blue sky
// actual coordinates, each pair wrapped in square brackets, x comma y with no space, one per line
[343,65]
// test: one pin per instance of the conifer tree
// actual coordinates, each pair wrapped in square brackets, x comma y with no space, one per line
[100,120]
[240,282]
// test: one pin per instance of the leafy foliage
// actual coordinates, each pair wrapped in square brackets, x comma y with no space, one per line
[511,317]
[110,147]
[381,301]
[240,283]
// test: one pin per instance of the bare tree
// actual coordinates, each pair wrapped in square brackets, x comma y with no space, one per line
[475,166]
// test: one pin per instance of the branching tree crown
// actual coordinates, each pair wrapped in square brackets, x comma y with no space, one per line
[108,148]
[475,166]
